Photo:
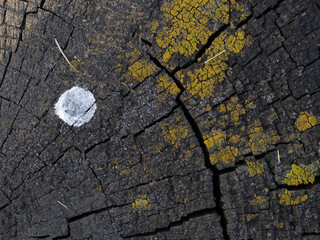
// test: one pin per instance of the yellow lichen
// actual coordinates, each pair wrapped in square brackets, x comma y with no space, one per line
[255,168]
[188,27]
[281,225]
[249,104]
[249,217]
[208,108]
[165,83]
[235,138]
[236,110]
[114,167]
[258,143]
[188,21]
[154,26]
[157,148]
[216,138]
[237,41]
[203,81]
[258,201]
[227,147]
[222,108]
[305,121]
[124,172]
[302,174]
[175,135]
[188,155]
[287,199]
[133,56]
[232,110]
[226,155]
[142,69]
[143,203]
[260,140]
[75,63]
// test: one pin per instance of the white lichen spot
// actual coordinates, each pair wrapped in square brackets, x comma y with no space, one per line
[76,106]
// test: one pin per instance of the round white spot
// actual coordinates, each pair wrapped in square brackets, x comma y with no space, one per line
[76,106]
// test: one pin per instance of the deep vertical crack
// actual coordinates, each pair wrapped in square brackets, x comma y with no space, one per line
[215,178]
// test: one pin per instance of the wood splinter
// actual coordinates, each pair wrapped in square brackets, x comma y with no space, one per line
[215,56]
[65,56]
[63,205]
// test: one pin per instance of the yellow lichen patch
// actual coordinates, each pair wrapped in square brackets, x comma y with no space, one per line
[222,108]
[260,140]
[167,84]
[133,56]
[302,174]
[237,41]
[235,138]
[258,201]
[99,188]
[124,171]
[249,104]
[188,19]
[236,110]
[114,167]
[232,110]
[255,127]
[281,225]
[203,81]
[154,26]
[226,155]
[255,168]
[188,155]
[287,199]
[192,146]
[141,69]
[249,217]
[217,138]
[208,108]
[143,203]
[175,135]
[258,143]
[188,25]
[157,148]
[294,147]
[305,121]
[75,63]
[239,7]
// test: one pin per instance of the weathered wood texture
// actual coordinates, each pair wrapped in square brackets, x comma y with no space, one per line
[179,148]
